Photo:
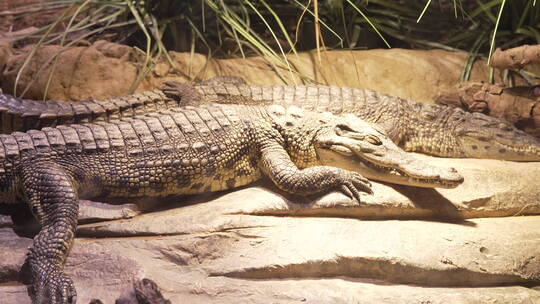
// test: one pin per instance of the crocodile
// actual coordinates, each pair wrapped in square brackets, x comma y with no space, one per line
[181,151]
[416,127]
[51,113]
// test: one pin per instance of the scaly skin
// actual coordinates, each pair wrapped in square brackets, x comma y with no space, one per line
[23,115]
[392,165]
[187,150]
[191,151]
[419,127]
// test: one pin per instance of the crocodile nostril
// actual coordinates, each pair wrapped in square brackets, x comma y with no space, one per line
[374,140]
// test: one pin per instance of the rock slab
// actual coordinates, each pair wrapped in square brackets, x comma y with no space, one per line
[471,244]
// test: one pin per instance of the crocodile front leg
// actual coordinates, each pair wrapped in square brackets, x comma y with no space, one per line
[53,199]
[277,165]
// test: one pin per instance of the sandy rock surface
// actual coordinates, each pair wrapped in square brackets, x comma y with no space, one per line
[81,72]
[256,245]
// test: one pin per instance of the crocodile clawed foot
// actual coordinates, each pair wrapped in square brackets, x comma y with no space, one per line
[353,183]
[182,92]
[56,288]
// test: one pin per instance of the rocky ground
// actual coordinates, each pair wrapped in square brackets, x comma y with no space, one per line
[253,245]
[477,243]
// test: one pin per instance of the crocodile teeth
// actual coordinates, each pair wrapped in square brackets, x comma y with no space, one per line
[394,171]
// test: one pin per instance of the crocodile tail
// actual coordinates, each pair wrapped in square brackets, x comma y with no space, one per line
[22,114]
[12,148]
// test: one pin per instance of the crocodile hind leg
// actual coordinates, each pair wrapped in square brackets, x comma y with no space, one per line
[53,199]
[277,165]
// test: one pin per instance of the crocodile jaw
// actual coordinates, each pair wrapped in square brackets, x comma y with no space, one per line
[412,172]
[365,149]
[482,136]
[526,149]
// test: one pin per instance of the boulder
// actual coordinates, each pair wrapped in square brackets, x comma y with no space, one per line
[80,72]
[471,244]
[107,69]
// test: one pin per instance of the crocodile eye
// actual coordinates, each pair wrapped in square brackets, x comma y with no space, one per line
[504,126]
[343,127]
[374,140]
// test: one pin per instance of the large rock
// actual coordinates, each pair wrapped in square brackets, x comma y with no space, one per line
[241,258]
[258,246]
[81,72]
[253,259]
[107,69]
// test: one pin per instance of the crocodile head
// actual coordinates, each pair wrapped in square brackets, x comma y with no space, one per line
[352,144]
[482,136]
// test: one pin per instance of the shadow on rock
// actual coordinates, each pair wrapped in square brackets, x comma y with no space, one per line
[428,198]
[144,291]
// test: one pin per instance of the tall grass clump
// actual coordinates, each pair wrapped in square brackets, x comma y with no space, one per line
[242,28]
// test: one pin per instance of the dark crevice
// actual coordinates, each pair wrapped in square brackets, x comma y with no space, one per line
[390,271]
[98,234]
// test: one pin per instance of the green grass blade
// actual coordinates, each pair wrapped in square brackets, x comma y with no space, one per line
[273,35]
[485,8]
[424,10]
[36,47]
[233,29]
[233,20]
[492,44]
[281,26]
[143,28]
[369,21]
[325,25]
[62,41]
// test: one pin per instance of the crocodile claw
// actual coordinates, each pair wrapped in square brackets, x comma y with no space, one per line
[352,183]
[56,288]
[183,92]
